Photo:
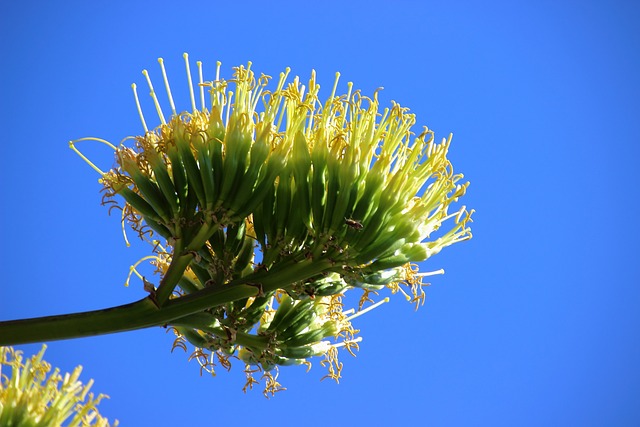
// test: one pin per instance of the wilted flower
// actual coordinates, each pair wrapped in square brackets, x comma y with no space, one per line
[31,395]
[299,198]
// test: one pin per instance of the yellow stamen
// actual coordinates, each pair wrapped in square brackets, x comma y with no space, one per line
[133,270]
[348,342]
[229,103]
[154,97]
[431,273]
[368,309]
[201,84]
[124,231]
[135,95]
[193,99]
[216,96]
[83,157]
[166,85]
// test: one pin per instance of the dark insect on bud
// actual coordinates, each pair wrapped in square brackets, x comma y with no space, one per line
[353,223]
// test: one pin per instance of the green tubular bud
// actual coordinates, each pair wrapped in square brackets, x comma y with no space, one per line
[294,324]
[201,273]
[285,307]
[217,241]
[247,270]
[206,257]
[380,249]
[163,180]
[179,176]
[375,228]
[301,164]
[298,352]
[215,128]
[247,356]
[385,276]
[347,175]
[405,231]
[264,220]
[189,286]
[369,199]
[189,207]
[267,365]
[369,287]
[265,180]
[245,255]
[330,284]
[258,228]
[192,336]
[216,165]
[294,229]
[235,237]
[215,135]
[389,262]
[299,215]
[191,168]
[415,252]
[410,252]
[159,228]
[206,170]
[301,223]
[377,280]
[139,204]
[254,312]
[297,325]
[285,361]
[283,203]
[333,190]
[328,289]
[318,186]
[152,194]
[353,197]
[237,143]
[306,338]
[258,155]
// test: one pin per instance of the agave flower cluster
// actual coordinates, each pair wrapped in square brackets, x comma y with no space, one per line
[32,395]
[301,198]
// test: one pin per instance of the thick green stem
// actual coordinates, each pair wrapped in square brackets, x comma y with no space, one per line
[146,313]
[180,263]
[138,315]
[171,278]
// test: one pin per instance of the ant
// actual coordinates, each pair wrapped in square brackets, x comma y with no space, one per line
[353,223]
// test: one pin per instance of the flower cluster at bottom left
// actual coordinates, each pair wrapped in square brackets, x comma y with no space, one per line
[32,396]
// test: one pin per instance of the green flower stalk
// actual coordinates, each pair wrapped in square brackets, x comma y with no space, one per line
[32,396]
[264,207]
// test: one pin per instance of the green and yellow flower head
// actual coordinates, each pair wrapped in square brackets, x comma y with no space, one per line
[300,197]
[32,396]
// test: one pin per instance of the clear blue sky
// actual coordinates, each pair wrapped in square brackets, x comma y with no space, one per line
[535,323]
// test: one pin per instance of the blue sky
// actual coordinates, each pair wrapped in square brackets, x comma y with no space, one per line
[536,320]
